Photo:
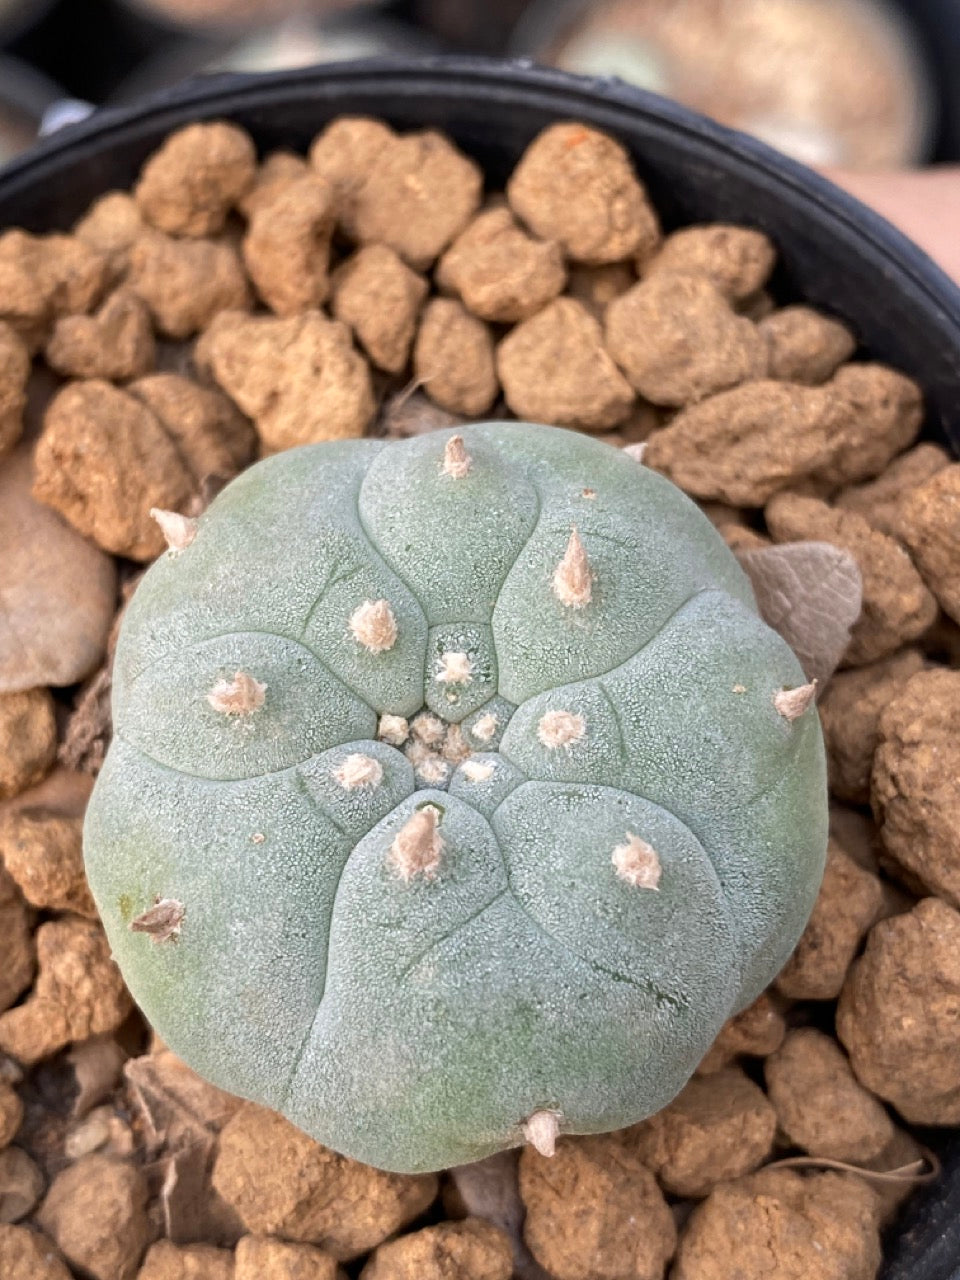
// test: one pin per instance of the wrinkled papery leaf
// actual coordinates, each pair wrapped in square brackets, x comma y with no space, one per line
[810,593]
[182,1116]
[178,1107]
[490,1189]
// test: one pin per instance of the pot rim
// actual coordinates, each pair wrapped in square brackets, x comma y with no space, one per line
[215,94]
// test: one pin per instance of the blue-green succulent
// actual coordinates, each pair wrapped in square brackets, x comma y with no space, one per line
[458,793]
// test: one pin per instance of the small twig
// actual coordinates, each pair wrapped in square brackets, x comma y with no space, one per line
[908,1173]
[404,394]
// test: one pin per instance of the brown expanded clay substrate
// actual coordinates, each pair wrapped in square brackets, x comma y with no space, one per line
[227,308]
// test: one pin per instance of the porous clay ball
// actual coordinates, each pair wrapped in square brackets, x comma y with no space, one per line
[42,852]
[210,434]
[28,739]
[267,1258]
[594,1212]
[16,942]
[819,1104]
[188,187]
[744,445]
[26,1254]
[755,1031]
[897,1017]
[780,1223]
[277,170]
[453,357]
[14,372]
[881,501]
[116,343]
[930,526]
[848,904]
[168,1261]
[577,186]
[883,411]
[720,1127]
[850,715]
[555,368]
[509,630]
[287,246]
[299,378]
[805,346]
[596,287]
[95,1210]
[345,152]
[678,341]
[412,192]
[471,1248]
[21,1186]
[78,992]
[499,271]
[43,277]
[736,260]
[280,1182]
[111,226]
[103,461]
[914,783]
[185,283]
[379,297]
[11,1113]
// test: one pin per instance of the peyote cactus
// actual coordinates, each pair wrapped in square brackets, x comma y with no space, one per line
[458,794]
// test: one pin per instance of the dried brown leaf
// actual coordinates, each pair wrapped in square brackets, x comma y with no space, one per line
[810,593]
[178,1109]
[181,1115]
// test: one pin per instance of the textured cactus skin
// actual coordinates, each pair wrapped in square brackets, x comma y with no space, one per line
[414,1024]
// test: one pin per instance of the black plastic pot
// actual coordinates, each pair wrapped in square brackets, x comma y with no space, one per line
[18,16]
[835,253]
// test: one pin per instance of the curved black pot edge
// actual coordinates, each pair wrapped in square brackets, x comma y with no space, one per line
[907,311]
[416,89]
[202,91]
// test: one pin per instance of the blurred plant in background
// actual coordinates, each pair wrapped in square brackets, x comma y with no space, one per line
[831,82]
[861,84]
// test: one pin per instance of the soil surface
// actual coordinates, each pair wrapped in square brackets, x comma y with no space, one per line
[229,307]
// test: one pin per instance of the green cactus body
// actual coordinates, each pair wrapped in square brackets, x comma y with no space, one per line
[455,797]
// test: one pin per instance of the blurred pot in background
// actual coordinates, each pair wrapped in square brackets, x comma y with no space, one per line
[474,26]
[299,41]
[830,82]
[236,15]
[16,16]
[24,97]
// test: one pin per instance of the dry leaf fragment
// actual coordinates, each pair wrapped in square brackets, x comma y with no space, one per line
[810,593]
[181,1115]
[89,728]
[162,921]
